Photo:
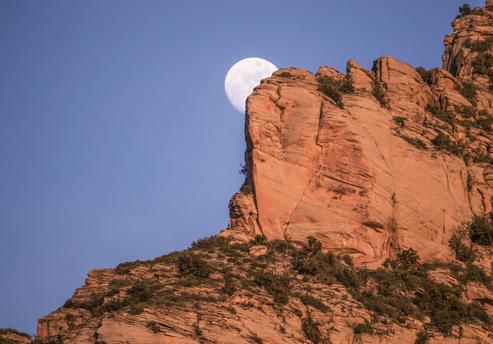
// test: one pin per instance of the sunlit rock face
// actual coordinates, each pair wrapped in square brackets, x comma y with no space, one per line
[365,176]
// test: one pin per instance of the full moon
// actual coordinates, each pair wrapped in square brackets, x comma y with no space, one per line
[243,77]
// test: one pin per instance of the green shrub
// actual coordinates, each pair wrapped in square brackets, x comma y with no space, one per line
[346,86]
[170,258]
[153,326]
[464,10]
[229,287]
[379,93]
[327,268]
[443,142]
[259,240]
[373,224]
[363,327]
[462,252]
[280,246]
[482,46]
[243,169]
[255,338]
[314,302]
[445,308]
[124,268]
[119,283]
[312,247]
[405,260]
[347,260]
[466,111]
[334,88]
[311,330]
[246,188]
[414,141]
[136,308]
[211,243]
[474,273]
[315,265]
[442,115]
[139,292]
[276,286]
[476,312]
[468,91]
[481,230]
[331,89]
[68,304]
[426,75]
[400,121]
[114,305]
[194,264]
[490,81]
[347,277]
[422,337]
[395,307]
[404,289]
[482,64]
[92,305]
[485,123]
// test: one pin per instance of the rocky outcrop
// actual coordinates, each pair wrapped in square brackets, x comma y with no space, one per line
[366,178]
[270,292]
[254,293]
[12,336]
[371,164]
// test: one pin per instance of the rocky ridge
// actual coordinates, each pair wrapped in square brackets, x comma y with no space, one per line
[364,218]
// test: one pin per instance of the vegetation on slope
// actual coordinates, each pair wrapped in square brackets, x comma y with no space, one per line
[5,333]
[334,89]
[399,291]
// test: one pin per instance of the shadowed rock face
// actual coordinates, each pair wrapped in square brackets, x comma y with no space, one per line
[366,179]
[370,163]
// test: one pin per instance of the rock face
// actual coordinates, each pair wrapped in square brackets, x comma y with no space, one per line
[370,163]
[365,178]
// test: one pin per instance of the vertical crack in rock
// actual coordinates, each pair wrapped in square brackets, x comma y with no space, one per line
[446,174]
[297,204]
[314,173]
[320,124]
[467,189]
[281,116]
[393,245]
[443,227]
[96,334]
[483,201]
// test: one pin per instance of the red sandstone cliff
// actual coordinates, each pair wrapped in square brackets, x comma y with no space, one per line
[366,178]
[370,164]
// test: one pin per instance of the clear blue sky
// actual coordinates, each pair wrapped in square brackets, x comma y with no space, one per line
[116,139]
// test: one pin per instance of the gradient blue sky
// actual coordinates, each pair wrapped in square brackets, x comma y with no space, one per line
[116,139]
